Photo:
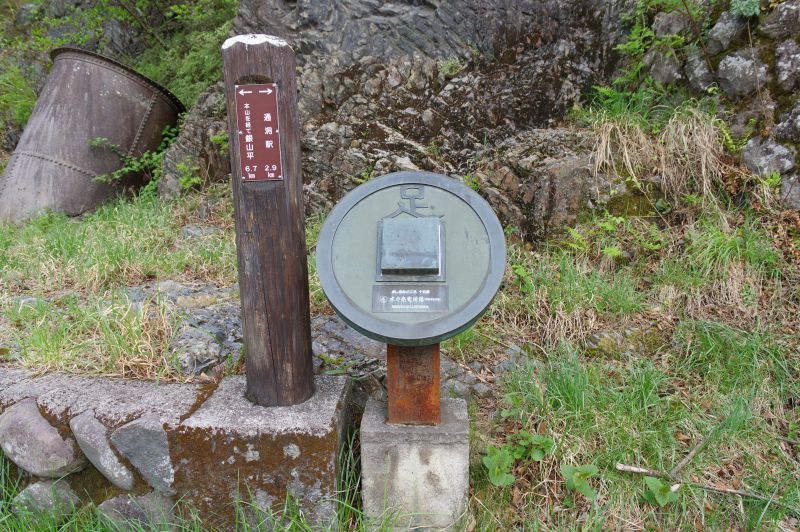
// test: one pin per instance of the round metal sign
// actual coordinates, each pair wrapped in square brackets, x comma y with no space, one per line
[411,258]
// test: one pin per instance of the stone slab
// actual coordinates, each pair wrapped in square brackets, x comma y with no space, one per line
[116,401]
[260,454]
[13,385]
[415,476]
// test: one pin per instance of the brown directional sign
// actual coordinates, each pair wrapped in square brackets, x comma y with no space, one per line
[259,137]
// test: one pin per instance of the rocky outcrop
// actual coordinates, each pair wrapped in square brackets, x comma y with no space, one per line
[788,128]
[201,147]
[757,66]
[741,73]
[783,21]
[787,64]
[697,72]
[765,156]
[664,65]
[539,181]
[331,37]
[384,87]
[727,29]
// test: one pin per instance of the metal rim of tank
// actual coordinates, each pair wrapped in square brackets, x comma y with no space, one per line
[125,70]
[438,329]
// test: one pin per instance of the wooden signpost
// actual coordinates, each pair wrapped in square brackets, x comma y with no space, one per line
[264,133]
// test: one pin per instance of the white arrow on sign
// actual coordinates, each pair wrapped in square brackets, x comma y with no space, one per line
[243,92]
[268,91]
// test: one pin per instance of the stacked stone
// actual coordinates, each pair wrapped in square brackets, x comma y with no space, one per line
[157,443]
[758,70]
[41,435]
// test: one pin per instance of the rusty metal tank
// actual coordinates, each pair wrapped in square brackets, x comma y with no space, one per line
[86,96]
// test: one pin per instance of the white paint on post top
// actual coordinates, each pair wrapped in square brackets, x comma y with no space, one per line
[253,39]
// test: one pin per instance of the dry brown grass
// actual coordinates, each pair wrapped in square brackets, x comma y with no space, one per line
[686,157]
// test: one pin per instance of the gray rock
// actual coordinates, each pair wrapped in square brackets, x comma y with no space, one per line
[539,181]
[454,388]
[783,21]
[514,351]
[199,231]
[663,65]
[790,191]
[196,349]
[114,401]
[148,512]
[172,289]
[33,444]
[481,389]
[765,156]
[92,437]
[144,443]
[448,368]
[427,117]
[27,301]
[201,145]
[336,36]
[741,73]
[505,366]
[727,29]
[53,498]
[26,13]
[789,127]
[672,23]
[475,366]
[697,72]
[787,64]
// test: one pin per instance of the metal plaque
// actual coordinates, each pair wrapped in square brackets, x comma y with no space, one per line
[410,246]
[385,249]
[259,136]
[409,298]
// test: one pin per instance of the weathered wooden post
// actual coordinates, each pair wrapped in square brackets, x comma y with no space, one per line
[264,134]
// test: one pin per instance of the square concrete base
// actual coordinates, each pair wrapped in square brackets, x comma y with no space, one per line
[416,475]
[230,448]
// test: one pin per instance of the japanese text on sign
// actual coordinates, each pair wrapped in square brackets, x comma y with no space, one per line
[404,298]
[259,134]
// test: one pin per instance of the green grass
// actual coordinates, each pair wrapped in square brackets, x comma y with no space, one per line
[94,335]
[643,413]
[192,60]
[122,243]
[17,97]
[717,359]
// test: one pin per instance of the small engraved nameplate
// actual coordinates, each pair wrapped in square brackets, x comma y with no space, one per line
[409,298]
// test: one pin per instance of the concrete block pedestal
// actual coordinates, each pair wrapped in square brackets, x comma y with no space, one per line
[419,475]
[230,448]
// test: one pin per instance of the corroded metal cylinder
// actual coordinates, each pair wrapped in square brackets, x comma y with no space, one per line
[86,96]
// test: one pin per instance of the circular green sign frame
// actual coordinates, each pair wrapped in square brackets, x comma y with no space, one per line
[388,327]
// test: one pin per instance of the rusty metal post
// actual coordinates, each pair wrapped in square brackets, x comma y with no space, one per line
[264,132]
[412,376]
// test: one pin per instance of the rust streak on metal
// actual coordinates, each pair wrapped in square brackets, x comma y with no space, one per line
[412,376]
